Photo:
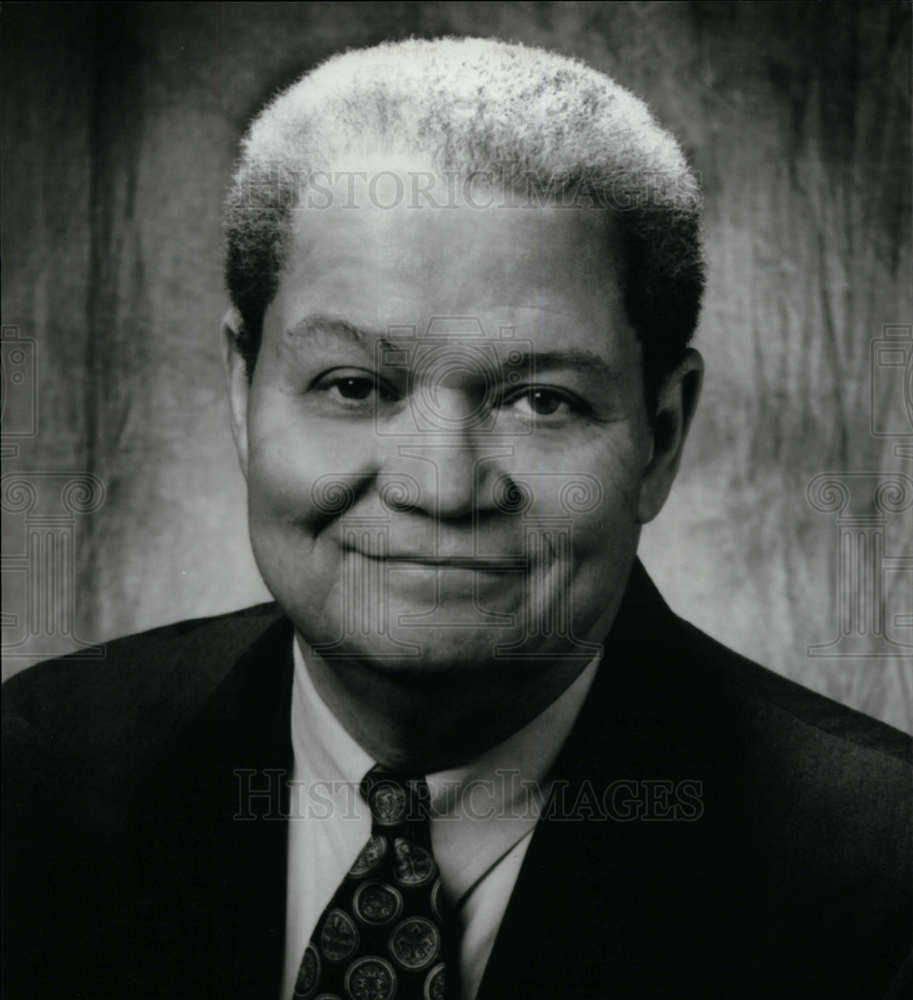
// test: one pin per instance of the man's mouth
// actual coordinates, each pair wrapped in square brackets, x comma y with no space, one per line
[479,564]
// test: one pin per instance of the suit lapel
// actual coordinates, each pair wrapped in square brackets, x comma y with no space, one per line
[216,881]
[614,891]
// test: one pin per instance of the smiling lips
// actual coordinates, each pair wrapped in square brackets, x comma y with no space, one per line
[487,564]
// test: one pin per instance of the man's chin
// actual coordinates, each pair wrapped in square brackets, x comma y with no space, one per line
[414,651]
[436,655]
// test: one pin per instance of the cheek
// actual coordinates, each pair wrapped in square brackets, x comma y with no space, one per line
[595,484]
[598,495]
[280,484]
[288,465]
[605,536]
[619,467]
[303,471]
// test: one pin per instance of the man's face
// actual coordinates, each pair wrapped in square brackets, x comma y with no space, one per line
[445,439]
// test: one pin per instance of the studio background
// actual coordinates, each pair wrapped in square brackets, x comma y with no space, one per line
[790,525]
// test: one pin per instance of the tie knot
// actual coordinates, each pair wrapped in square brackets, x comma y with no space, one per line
[396,800]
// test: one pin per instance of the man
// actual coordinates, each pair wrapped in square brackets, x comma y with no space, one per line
[470,752]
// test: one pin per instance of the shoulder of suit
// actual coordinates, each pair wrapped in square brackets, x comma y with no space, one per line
[113,710]
[782,715]
[701,684]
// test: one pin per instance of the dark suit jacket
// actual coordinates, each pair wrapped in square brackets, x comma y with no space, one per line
[785,870]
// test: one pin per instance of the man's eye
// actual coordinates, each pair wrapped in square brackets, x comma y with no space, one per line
[354,390]
[354,387]
[541,403]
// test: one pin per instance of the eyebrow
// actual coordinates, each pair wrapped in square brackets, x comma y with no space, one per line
[576,359]
[584,362]
[317,325]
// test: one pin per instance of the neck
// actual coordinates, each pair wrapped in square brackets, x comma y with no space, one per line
[406,720]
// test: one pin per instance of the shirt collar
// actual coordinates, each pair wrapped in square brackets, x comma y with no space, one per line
[324,750]
[479,810]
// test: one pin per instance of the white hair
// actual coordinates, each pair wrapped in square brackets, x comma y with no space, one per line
[523,116]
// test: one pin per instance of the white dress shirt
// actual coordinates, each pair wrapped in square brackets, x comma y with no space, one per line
[483,815]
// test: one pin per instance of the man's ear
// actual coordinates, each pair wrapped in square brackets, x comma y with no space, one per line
[236,382]
[676,402]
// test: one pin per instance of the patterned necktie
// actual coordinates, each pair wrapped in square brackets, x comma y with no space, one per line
[381,936]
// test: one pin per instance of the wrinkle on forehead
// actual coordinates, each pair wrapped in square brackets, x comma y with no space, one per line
[551,273]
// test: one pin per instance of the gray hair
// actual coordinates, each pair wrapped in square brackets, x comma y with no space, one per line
[527,120]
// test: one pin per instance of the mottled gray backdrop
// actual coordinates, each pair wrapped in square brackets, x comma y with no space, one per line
[122,503]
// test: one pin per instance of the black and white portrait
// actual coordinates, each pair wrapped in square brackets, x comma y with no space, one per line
[457,500]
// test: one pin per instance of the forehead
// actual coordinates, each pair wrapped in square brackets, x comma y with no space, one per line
[379,257]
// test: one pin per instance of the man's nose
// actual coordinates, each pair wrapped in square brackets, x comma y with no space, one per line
[446,457]
[446,471]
